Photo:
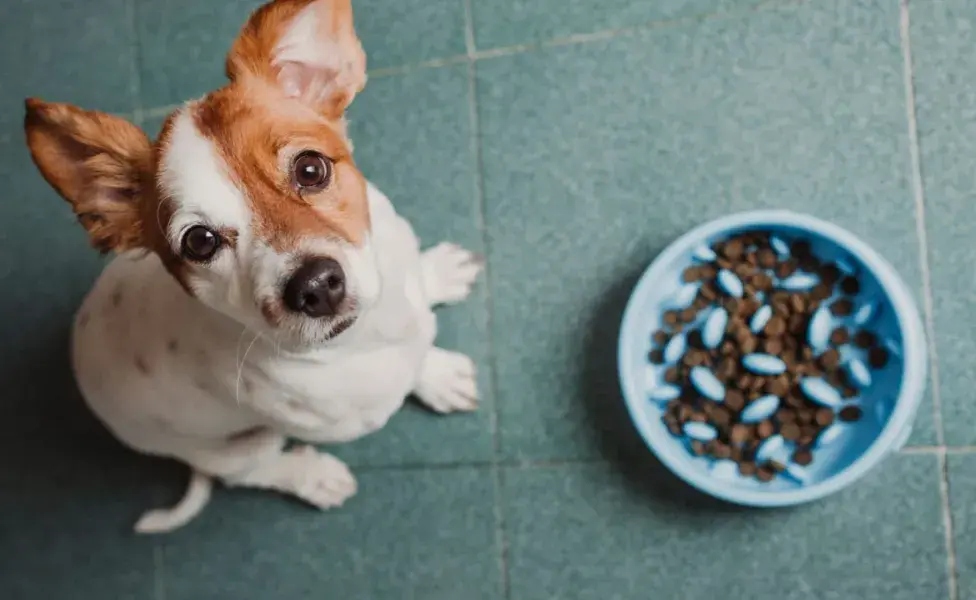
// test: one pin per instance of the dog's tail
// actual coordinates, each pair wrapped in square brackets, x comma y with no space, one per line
[164,520]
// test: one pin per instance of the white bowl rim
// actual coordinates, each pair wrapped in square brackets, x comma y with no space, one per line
[914,355]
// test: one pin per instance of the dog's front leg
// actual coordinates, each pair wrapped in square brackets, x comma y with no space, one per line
[447,382]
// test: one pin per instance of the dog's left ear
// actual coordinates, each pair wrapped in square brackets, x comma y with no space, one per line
[308,48]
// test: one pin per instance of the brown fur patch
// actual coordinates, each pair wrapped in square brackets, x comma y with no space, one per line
[250,137]
[99,163]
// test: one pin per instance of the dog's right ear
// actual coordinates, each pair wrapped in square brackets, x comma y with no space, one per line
[99,163]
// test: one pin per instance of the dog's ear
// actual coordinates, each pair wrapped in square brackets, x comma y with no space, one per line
[98,163]
[308,48]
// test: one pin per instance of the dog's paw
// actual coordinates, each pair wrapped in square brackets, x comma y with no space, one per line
[448,382]
[449,272]
[321,479]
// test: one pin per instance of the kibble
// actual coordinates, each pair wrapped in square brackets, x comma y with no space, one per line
[753,375]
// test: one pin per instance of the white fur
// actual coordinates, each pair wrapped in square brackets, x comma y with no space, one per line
[171,376]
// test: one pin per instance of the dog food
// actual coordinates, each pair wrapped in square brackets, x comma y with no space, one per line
[767,348]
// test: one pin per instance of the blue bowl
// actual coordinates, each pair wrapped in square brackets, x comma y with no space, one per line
[889,403]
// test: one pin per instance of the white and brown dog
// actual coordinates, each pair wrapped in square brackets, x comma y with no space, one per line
[264,290]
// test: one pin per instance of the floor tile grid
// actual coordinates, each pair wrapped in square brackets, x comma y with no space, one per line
[927,299]
[496,471]
[473,55]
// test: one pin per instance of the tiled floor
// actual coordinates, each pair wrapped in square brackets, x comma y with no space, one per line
[569,140]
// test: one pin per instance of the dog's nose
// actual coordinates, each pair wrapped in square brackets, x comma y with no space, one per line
[317,288]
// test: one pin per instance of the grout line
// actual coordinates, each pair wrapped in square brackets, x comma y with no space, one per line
[501,541]
[919,197]
[927,297]
[947,525]
[159,585]
[472,54]
[135,75]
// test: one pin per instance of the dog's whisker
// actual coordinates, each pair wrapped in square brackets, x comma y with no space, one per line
[240,369]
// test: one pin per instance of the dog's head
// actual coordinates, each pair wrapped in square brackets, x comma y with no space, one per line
[250,196]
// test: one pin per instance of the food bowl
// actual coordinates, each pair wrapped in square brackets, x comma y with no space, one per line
[888,403]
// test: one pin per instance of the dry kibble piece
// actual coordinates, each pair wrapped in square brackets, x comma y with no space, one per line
[803,457]
[744,382]
[850,286]
[735,400]
[765,474]
[824,417]
[798,304]
[747,469]
[721,417]
[733,249]
[766,258]
[877,357]
[727,369]
[675,428]
[840,336]
[698,448]
[865,339]
[786,415]
[830,274]
[801,249]
[721,451]
[765,429]
[773,346]
[672,375]
[830,359]
[805,415]
[842,307]
[776,326]
[656,357]
[786,268]
[695,339]
[820,292]
[749,345]
[762,282]
[708,292]
[708,272]
[660,337]
[790,431]
[849,414]
[797,324]
[691,274]
[687,315]
[776,466]
[778,386]
[671,318]
[740,433]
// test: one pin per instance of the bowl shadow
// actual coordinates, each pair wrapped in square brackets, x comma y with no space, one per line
[615,436]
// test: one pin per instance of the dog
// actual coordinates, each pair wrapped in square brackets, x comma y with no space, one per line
[262,289]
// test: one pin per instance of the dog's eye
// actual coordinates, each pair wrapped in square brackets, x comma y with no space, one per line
[200,244]
[311,170]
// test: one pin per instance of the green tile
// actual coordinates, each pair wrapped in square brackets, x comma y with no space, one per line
[413,140]
[46,268]
[69,501]
[404,32]
[66,51]
[597,155]
[962,490]
[183,44]
[407,535]
[512,22]
[941,34]
[595,532]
